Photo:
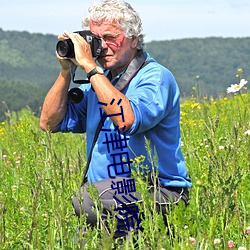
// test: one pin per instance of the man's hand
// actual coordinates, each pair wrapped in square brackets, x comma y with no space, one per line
[66,63]
[83,54]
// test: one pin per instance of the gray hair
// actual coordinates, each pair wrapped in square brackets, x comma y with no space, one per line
[120,13]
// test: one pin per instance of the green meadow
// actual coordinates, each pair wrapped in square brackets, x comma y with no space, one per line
[40,172]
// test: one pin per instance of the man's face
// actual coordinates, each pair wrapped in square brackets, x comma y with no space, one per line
[118,50]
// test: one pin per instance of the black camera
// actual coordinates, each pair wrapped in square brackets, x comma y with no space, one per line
[65,48]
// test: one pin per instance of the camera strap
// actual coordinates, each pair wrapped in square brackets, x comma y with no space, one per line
[136,64]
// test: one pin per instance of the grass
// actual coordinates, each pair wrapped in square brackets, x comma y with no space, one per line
[40,172]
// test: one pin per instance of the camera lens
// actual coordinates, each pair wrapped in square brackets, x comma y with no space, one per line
[65,48]
[75,95]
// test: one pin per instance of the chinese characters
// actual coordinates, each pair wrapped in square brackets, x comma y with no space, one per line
[117,143]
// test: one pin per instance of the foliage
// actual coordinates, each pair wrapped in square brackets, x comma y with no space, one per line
[14,95]
[28,68]
[204,64]
[28,58]
[41,171]
[208,62]
[37,181]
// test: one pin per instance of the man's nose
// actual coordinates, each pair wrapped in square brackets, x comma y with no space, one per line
[104,44]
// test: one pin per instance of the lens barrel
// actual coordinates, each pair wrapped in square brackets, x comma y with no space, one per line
[65,48]
[75,95]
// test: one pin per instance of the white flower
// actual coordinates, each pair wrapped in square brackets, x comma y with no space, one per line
[192,240]
[246,133]
[217,241]
[248,230]
[242,248]
[22,210]
[237,87]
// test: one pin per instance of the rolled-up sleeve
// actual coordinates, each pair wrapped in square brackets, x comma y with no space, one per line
[152,99]
[75,117]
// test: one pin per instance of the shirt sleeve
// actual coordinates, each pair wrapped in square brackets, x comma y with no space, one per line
[75,117]
[153,97]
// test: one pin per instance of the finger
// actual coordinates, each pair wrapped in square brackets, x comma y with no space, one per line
[59,57]
[69,60]
[75,37]
[70,34]
[62,36]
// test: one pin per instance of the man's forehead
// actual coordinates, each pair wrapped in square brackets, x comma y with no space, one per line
[104,27]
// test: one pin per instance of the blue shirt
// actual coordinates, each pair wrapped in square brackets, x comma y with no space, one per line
[154,98]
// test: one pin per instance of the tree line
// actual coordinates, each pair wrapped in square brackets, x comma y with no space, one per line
[202,67]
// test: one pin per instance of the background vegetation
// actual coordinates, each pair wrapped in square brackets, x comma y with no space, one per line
[28,66]
[40,172]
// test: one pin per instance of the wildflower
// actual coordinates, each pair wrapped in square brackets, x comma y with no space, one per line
[192,240]
[247,133]
[237,87]
[45,216]
[14,188]
[221,147]
[248,230]
[240,70]
[216,241]
[230,244]
[198,182]
[242,248]
[195,106]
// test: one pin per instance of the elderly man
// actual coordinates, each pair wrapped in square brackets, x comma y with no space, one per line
[139,101]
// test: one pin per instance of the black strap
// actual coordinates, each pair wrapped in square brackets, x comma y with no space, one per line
[97,132]
[136,64]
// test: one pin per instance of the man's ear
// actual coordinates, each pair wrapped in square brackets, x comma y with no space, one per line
[134,42]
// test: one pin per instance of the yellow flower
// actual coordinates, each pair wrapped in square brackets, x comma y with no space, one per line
[240,70]
[195,105]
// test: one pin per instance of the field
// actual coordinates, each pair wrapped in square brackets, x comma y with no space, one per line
[40,172]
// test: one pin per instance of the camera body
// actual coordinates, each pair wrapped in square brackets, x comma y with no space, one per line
[65,48]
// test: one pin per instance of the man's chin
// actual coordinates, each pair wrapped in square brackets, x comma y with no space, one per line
[105,63]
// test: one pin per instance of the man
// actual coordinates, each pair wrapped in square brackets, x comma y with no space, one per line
[140,99]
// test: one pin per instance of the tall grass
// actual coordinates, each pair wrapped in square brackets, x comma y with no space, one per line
[40,172]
